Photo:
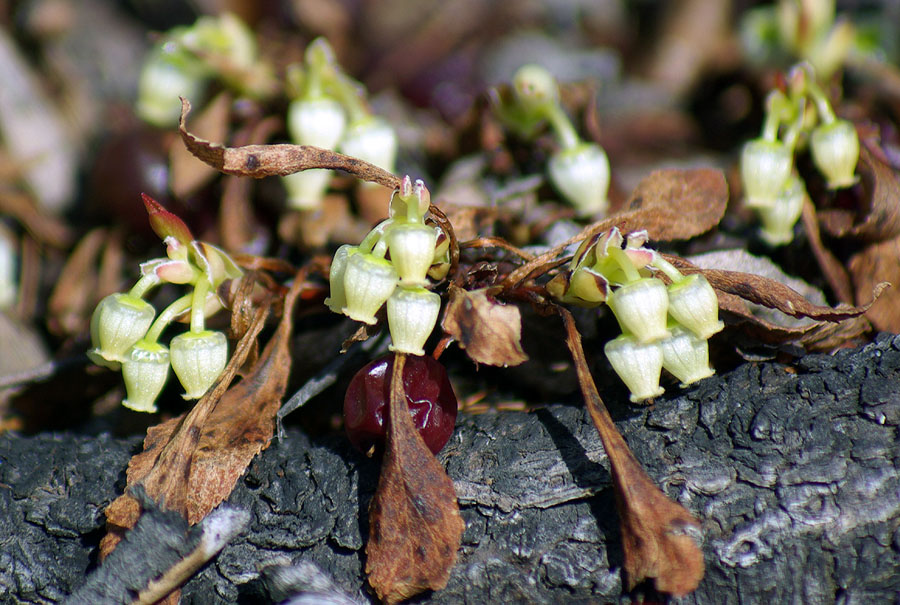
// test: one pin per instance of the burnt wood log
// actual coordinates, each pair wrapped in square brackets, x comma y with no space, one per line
[793,470]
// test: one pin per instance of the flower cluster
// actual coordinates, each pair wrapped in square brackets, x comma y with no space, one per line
[771,184]
[579,170]
[392,266]
[662,326]
[125,329]
[188,58]
[328,110]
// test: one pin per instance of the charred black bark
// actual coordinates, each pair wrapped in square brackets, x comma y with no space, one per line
[794,472]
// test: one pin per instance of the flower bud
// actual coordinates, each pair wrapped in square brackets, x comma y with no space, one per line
[411,246]
[637,364]
[835,151]
[372,140]
[686,356]
[412,314]
[693,304]
[534,85]
[338,300]
[641,308]
[368,282]
[779,220]
[145,370]
[765,168]
[198,359]
[581,175]
[119,321]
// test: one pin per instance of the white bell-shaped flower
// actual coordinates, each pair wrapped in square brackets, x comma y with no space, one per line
[637,364]
[835,151]
[338,299]
[373,140]
[412,314]
[779,220]
[581,174]
[319,122]
[411,246]
[145,370]
[119,321]
[641,308]
[686,356]
[765,168]
[693,304]
[368,282]
[198,359]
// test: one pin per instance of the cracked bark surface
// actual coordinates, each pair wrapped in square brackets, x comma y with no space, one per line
[794,472]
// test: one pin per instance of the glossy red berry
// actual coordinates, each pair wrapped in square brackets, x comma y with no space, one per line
[428,393]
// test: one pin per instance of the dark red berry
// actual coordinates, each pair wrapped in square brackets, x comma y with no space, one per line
[428,393]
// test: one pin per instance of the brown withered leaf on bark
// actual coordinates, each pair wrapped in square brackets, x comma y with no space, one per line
[879,263]
[490,333]
[659,537]
[259,161]
[775,295]
[415,527]
[879,217]
[191,463]
[834,271]
[670,204]
[676,204]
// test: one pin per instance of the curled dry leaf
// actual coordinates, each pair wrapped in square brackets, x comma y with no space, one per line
[879,217]
[189,175]
[490,333]
[676,204]
[879,263]
[669,204]
[832,269]
[415,527]
[659,537]
[259,161]
[191,463]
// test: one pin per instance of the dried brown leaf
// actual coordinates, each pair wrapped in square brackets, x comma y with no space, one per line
[187,173]
[490,333]
[676,204]
[670,204]
[191,463]
[879,217]
[76,287]
[831,267]
[659,537]
[259,161]
[775,295]
[878,263]
[415,527]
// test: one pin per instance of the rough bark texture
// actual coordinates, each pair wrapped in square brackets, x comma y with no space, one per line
[794,472]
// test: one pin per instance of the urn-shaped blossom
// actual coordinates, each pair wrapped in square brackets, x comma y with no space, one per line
[637,364]
[412,251]
[686,356]
[368,282]
[693,304]
[119,321]
[198,359]
[412,314]
[641,308]
[765,168]
[835,151]
[581,174]
[145,370]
